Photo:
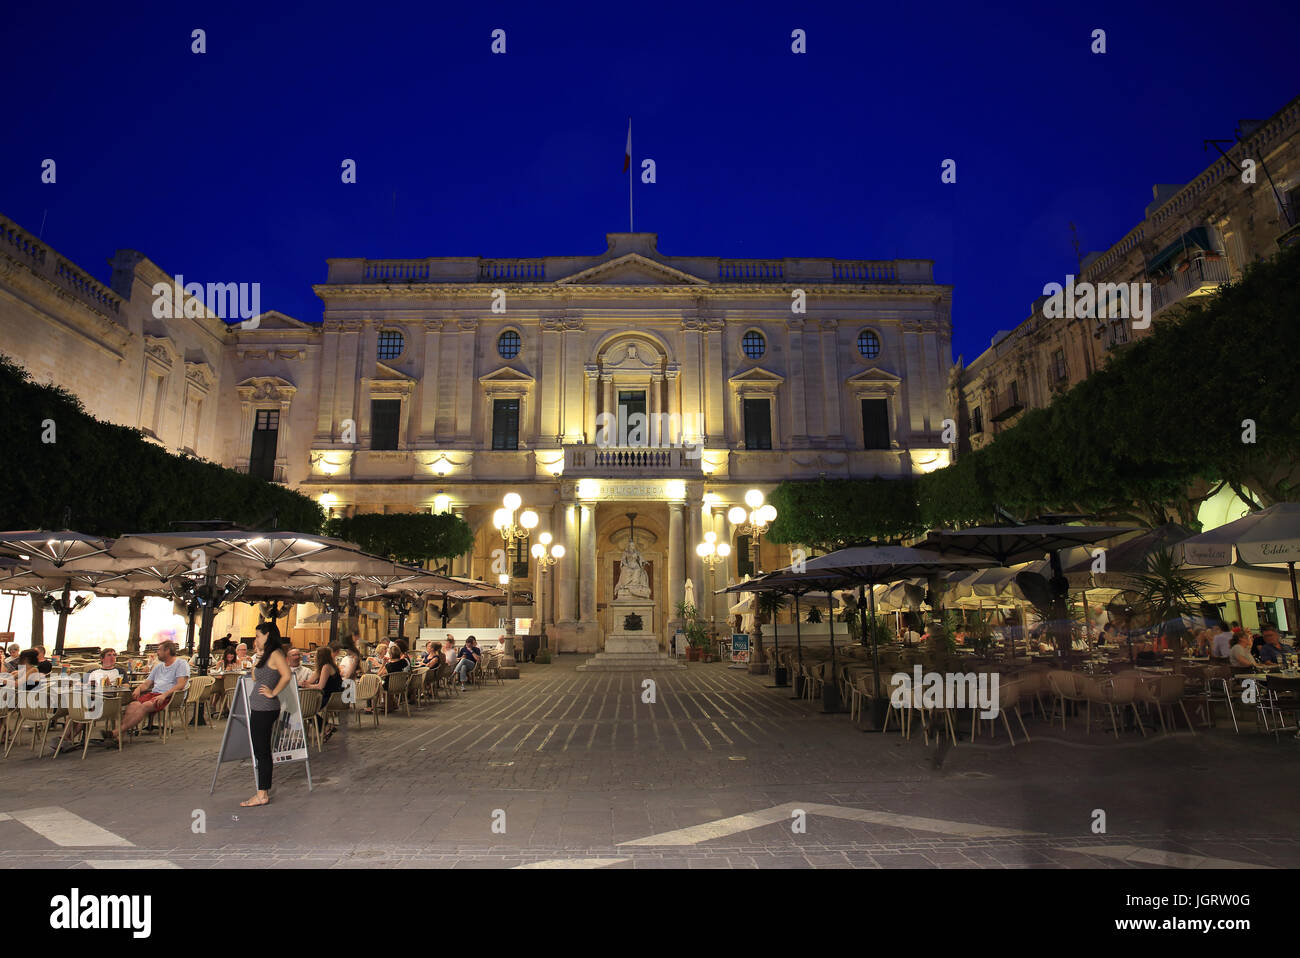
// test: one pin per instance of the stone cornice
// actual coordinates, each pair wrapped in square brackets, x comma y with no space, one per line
[481,292]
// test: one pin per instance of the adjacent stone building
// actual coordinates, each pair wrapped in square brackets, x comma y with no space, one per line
[1192,238]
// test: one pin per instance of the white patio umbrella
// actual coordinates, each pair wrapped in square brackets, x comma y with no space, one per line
[1270,537]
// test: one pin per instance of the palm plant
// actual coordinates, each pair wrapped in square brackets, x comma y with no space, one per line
[1167,593]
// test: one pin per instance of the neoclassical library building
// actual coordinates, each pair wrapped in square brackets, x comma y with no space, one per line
[629,398]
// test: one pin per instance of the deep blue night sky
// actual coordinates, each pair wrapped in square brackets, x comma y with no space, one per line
[225,167]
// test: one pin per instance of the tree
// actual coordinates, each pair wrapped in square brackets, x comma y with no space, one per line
[412,537]
[114,481]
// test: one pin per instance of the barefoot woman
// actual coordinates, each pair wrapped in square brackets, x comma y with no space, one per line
[270,675]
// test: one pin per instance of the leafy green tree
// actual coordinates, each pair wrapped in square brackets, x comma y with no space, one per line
[109,480]
[411,537]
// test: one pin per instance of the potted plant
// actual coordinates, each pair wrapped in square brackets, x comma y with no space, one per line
[814,615]
[1167,593]
[695,630]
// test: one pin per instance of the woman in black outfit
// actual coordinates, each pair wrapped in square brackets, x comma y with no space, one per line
[328,680]
[271,674]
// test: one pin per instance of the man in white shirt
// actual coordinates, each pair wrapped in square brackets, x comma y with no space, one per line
[1221,643]
[107,669]
[300,672]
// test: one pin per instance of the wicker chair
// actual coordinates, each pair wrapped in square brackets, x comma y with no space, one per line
[310,700]
[1125,690]
[109,715]
[1008,698]
[1063,685]
[396,693]
[334,708]
[201,689]
[1164,693]
[368,688]
[33,719]
[177,705]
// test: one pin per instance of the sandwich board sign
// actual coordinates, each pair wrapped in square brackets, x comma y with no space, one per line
[288,736]
[739,647]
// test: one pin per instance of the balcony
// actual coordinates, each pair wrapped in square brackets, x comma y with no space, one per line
[611,462]
[1202,276]
[1008,404]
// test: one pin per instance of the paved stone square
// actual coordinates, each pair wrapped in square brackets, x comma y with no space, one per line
[576,770]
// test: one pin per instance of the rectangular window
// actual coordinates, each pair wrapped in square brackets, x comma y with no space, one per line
[875,424]
[977,421]
[632,403]
[1058,365]
[261,457]
[385,423]
[519,565]
[758,424]
[160,398]
[744,566]
[505,424]
[1015,393]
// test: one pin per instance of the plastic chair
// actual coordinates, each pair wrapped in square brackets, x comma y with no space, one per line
[110,716]
[368,688]
[395,694]
[310,700]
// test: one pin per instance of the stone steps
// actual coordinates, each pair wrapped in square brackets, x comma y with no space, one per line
[629,662]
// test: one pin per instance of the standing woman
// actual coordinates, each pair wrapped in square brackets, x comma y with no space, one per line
[271,674]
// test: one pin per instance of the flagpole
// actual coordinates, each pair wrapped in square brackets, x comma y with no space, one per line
[630,170]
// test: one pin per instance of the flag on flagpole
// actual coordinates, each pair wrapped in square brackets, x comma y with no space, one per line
[627,154]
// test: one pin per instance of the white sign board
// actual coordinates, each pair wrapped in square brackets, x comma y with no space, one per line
[288,737]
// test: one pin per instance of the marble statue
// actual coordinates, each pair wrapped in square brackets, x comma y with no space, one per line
[690,592]
[632,579]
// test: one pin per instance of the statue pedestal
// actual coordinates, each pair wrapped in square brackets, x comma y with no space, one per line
[632,644]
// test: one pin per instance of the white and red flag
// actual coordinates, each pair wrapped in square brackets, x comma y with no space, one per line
[627,154]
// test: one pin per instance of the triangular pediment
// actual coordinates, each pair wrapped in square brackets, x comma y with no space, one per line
[632,269]
[506,376]
[385,372]
[273,319]
[874,376]
[757,376]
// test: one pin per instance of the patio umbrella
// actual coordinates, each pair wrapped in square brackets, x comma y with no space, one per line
[56,548]
[1270,537]
[860,565]
[1007,545]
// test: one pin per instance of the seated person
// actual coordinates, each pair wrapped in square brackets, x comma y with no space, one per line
[379,659]
[11,658]
[468,657]
[107,670]
[1272,652]
[433,657]
[26,676]
[1239,656]
[229,661]
[43,665]
[1221,643]
[300,672]
[328,681]
[169,676]
[243,661]
[396,662]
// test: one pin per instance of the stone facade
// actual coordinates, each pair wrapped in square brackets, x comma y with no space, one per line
[467,378]
[1240,223]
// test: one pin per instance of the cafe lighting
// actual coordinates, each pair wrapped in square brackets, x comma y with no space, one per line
[558,550]
[512,501]
[528,519]
[736,516]
[753,498]
[545,538]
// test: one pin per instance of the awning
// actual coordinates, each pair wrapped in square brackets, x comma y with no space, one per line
[1201,238]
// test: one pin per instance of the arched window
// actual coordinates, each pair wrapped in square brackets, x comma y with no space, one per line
[391,344]
[508,344]
[868,344]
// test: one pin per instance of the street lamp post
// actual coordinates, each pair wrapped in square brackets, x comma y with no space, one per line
[711,551]
[544,562]
[754,523]
[504,522]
